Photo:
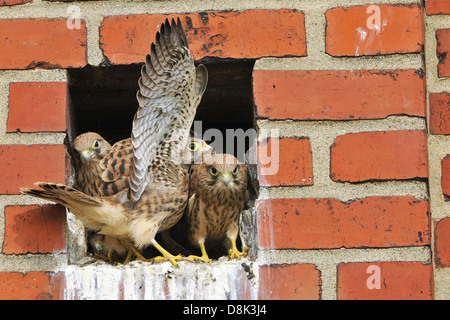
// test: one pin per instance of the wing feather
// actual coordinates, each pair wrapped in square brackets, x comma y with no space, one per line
[169,82]
[116,164]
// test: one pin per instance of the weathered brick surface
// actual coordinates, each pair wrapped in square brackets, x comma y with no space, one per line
[22,166]
[442,243]
[34,229]
[285,162]
[289,282]
[328,223]
[247,34]
[338,94]
[439,113]
[445,175]
[41,43]
[438,6]
[382,155]
[443,52]
[33,285]
[398,281]
[37,106]
[13,2]
[354,31]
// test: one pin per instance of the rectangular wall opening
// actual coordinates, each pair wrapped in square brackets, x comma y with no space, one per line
[103,100]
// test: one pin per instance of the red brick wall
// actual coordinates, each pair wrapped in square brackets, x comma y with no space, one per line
[353,95]
[438,65]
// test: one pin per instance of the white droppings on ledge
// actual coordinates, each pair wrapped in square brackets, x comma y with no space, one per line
[221,279]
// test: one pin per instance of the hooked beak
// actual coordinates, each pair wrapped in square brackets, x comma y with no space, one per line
[225,178]
[86,155]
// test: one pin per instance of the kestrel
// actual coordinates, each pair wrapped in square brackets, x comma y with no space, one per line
[218,189]
[103,170]
[88,151]
[91,155]
[170,89]
[105,247]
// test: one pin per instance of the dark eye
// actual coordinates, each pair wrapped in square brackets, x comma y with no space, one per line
[235,171]
[193,146]
[214,171]
[96,145]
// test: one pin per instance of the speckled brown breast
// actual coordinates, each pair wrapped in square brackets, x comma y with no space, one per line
[156,200]
[212,214]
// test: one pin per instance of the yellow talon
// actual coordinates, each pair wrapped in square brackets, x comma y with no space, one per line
[235,253]
[110,252]
[138,255]
[132,250]
[166,255]
[204,257]
[127,259]
[158,259]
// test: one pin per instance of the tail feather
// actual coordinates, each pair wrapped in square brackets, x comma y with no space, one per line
[60,193]
[43,195]
[96,214]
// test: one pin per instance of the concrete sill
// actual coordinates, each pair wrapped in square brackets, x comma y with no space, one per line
[221,279]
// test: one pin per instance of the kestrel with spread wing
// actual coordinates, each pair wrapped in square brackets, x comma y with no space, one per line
[218,192]
[103,170]
[170,89]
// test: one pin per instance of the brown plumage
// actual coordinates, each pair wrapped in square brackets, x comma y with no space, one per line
[94,178]
[218,188]
[107,248]
[103,170]
[88,150]
[170,90]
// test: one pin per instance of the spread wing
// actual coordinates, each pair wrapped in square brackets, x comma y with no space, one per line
[169,84]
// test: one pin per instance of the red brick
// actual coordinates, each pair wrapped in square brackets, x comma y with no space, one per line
[22,166]
[328,223]
[289,282]
[442,243]
[439,113]
[438,6]
[445,176]
[443,52]
[41,43]
[248,34]
[398,281]
[34,229]
[359,94]
[37,106]
[382,155]
[13,2]
[285,162]
[33,285]
[401,30]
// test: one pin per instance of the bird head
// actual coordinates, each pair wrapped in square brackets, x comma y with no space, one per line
[89,146]
[224,171]
[196,150]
